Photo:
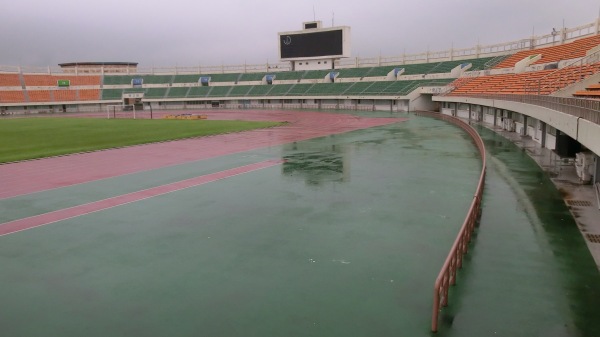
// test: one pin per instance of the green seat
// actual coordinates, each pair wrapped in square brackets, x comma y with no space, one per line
[178,92]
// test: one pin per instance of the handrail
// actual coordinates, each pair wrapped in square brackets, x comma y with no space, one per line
[473,74]
[535,86]
[453,262]
[477,51]
[587,109]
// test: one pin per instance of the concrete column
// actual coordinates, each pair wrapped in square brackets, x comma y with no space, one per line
[470,112]
[596,169]
[495,117]
[455,111]
[524,133]
[543,134]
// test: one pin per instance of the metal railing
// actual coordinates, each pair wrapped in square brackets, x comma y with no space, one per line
[588,109]
[562,77]
[478,51]
[453,262]
[472,74]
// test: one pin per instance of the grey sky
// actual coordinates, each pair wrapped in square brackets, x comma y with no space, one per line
[188,32]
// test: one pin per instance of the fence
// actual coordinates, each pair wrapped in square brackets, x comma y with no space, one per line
[587,109]
[453,262]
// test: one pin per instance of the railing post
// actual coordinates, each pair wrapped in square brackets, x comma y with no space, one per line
[448,273]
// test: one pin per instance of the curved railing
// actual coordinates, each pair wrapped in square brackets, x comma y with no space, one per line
[578,107]
[447,275]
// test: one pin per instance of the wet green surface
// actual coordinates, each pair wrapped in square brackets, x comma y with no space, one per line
[529,272]
[344,239]
[321,245]
[46,201]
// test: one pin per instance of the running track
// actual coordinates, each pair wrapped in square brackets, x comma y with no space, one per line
[71,212]
[56,172]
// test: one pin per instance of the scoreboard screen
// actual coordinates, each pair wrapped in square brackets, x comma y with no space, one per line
[305,44]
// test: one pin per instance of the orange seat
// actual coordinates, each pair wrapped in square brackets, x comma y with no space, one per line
[13,96]
[9,80]
[566,51]
[52,80]
[39,95]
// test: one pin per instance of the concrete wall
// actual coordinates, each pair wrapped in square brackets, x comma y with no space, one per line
[585,132]
[589,135]
[422,102]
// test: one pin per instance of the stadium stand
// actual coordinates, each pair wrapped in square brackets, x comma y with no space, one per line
[240,90]
[299,89]
[289,75]
[413,69]
[575,49]
[544,81]
[383,71]
[134,90]
[89,95]
[246,77]
[63,95]
[158,79]
[147,79]
[230,77]
[119,79]
[178,92]
[194,78]
[40,96]
[196,92]
[328,89]
[280,89]
[155,92]
[260,90]
[186,78]
[112,94]
[352,82]
[591,91]
[354,72]
[9,80]
[220,91]
[52,80]
[12,96]
[316,74]
[376,87]
[358,88]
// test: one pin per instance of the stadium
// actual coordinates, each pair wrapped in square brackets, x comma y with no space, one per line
[451,193]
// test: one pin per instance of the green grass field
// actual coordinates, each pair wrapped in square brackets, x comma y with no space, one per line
[29,138]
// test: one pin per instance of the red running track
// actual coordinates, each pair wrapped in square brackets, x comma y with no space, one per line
[71,212]
[49,173]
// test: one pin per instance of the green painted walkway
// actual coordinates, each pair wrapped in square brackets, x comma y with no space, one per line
[344,239]
[529,272]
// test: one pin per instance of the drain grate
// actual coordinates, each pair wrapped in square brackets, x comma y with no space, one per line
[595,238]
[584,203]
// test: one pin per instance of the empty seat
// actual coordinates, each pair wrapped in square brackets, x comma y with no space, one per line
[9,80]
[566,51]
[12,96]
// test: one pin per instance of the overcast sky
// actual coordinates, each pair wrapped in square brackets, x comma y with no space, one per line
[193,32]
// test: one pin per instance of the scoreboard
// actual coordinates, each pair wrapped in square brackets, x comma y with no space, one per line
[315,43]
